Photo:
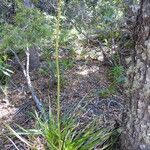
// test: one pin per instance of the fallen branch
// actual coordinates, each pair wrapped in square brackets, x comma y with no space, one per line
[35,98]
[27,76]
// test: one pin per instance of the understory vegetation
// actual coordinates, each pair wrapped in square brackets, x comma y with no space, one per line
[48,39]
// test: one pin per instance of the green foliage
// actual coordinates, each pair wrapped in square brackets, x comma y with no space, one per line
[107,92]
[116,59]
[63,80]
[31,28]
[5,70]
[66,37]
[101,17]
[66,63]
[43,71]
[117,75]
[73,136]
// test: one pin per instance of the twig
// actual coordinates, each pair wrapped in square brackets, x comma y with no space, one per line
[13,143]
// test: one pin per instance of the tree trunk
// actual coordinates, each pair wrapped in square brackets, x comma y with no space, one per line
[136,135]
[34,59]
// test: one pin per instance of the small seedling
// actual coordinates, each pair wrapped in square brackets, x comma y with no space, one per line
[66,64]
[117,75]
[107,92]
[43,71]
[5,71]
[63,81]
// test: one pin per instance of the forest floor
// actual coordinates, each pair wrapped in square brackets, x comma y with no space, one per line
[82,81]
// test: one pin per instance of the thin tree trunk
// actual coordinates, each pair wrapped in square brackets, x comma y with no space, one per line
[136,135]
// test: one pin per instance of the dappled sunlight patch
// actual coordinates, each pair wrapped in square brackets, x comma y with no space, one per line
[10,101]
[7,111]
[6,108]
[84,70]
[85,52]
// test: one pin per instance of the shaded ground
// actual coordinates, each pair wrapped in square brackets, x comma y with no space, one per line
[82,82]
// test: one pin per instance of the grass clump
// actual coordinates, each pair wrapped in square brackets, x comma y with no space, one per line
[66,63]
[71,136]
[5,70]
[117,75]
[117,78]
[107,92]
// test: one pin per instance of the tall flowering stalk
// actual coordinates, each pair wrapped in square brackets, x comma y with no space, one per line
[58,70]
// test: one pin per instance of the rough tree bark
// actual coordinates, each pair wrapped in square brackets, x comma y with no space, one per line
[136,135]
